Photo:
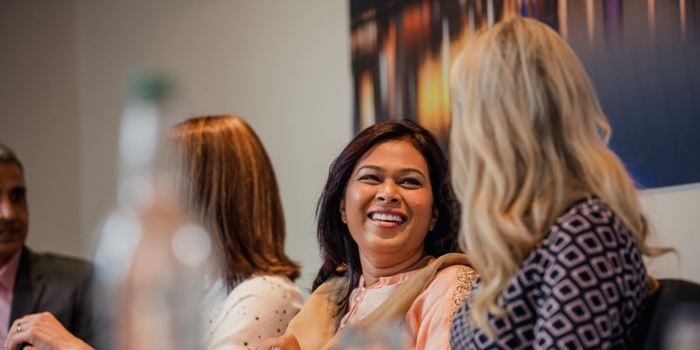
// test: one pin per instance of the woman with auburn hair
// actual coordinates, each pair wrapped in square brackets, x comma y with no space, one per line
[551,219]
[387,227]
[229,186]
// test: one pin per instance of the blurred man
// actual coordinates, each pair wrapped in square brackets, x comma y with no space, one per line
[45,300]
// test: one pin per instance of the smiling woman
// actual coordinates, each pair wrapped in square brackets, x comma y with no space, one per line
[388,234]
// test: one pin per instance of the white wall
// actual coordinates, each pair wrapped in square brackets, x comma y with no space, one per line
[283,65]
[675,214]
[39,115]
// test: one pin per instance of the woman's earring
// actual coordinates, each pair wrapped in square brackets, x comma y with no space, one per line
[342,217]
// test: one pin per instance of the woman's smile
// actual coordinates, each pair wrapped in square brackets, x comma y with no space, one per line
[387,218]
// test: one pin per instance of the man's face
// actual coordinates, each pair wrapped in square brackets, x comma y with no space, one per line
[14,217]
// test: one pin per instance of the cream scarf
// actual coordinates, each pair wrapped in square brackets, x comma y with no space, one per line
[314,326]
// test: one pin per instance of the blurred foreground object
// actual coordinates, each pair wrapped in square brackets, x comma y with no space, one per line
[387,336]
[149,257]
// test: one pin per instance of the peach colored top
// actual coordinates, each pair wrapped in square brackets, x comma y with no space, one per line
[427,321]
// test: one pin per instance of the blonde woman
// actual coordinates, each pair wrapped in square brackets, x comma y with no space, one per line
[551,219]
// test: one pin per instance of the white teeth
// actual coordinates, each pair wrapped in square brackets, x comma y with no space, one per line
[386,217]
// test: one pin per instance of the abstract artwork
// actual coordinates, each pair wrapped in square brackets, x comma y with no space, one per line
[642,55]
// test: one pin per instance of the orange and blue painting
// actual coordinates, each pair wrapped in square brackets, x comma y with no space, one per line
[642,55]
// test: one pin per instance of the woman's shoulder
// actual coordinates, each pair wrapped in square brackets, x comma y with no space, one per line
[588,241]
[590,208]
[450,286]
[430,315]
[454,275]
[455,270]
[267,287]
[589,226]
[259,307]
[268,280]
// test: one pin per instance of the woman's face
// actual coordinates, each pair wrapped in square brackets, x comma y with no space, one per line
[388,202]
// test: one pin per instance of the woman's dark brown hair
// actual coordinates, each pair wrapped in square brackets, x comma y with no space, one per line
[339,251]
[229,184]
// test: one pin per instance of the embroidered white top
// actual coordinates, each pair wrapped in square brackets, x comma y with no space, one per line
[256,309]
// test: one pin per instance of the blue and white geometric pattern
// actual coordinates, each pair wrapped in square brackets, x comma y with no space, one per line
[581,288]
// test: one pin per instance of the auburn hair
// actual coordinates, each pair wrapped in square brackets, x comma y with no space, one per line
[229,185]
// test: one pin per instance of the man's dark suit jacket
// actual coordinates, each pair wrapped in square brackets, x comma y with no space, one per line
[60,285]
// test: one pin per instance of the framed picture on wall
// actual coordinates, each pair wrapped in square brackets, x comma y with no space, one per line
[642,55]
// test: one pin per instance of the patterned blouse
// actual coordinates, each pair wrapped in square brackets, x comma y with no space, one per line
[257,309]
[582,287]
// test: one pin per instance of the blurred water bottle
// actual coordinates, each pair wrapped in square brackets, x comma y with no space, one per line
[149,257]
[385,336]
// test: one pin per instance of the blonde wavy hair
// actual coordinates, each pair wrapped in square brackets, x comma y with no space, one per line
[528,138]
